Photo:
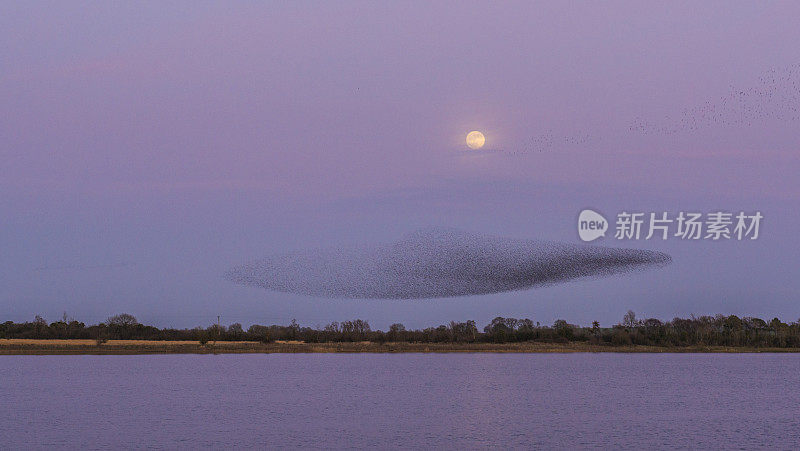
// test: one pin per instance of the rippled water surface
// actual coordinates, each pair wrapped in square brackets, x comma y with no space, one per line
[401,400]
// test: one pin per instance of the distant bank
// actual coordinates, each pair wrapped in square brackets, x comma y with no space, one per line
[123,333]
[128,347]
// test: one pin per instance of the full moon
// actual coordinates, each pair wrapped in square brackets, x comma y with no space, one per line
[475,140]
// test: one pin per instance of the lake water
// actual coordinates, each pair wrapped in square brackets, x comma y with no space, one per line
[401,400]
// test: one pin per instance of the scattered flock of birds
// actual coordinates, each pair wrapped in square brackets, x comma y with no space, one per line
[548,141]
[775,97]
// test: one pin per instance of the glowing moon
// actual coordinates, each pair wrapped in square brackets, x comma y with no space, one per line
[475,140]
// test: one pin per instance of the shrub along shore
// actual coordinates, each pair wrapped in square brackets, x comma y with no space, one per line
[123,334]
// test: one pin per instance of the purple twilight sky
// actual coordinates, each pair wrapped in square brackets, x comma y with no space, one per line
[147,147]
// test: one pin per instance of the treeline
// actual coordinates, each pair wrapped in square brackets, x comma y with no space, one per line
[719,330]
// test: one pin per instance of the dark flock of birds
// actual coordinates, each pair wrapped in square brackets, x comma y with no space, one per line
[436,263]
[775,97]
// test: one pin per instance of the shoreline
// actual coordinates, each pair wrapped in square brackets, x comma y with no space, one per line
[135,347]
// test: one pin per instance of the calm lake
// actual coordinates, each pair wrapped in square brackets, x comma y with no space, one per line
[401,400]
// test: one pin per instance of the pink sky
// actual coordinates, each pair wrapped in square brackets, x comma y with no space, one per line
[149,120]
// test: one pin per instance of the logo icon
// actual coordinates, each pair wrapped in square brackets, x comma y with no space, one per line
[591,225]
